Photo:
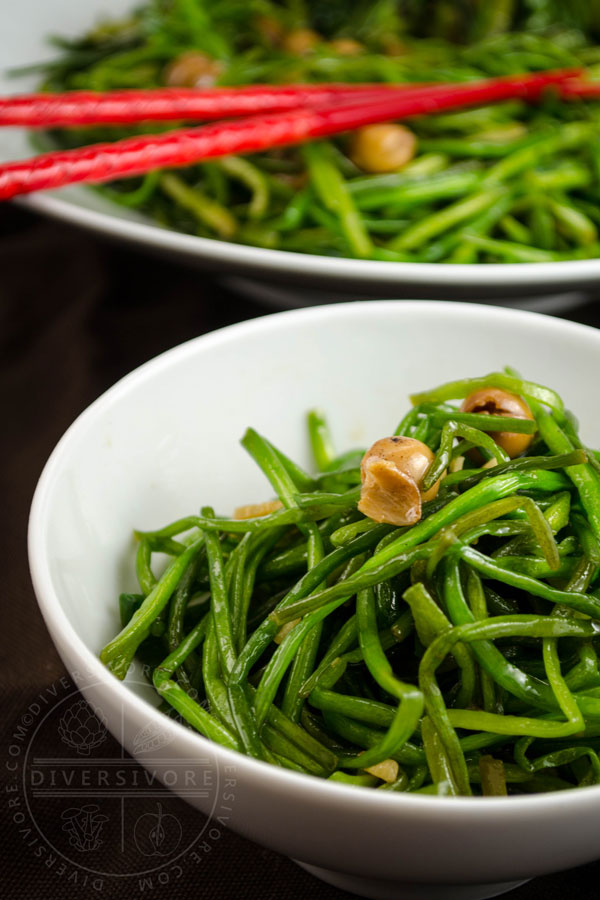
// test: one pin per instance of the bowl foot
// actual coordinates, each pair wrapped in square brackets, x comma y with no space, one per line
[377,889]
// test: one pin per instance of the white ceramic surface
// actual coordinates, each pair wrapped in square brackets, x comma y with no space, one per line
[24,28]
[164,440]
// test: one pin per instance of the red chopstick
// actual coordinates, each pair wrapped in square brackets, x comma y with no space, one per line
[76,108]
[137,155]
[577,88]
[125,107]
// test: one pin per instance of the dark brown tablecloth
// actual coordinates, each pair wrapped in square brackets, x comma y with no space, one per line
[75,315]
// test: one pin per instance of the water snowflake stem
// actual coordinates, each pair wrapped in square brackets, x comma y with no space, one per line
[583,476]
[410,707]
[397,552]
[468,525]
[451,430]
[446,720]
[458,390]
[221,612]
[118,653]
[283,632]
[188,708]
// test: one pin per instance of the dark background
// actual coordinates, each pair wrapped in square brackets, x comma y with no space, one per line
[76,314]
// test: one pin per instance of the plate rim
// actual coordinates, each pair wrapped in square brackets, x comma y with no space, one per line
[332,269]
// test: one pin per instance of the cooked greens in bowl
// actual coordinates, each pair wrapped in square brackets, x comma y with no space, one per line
[506,183]
[419,617]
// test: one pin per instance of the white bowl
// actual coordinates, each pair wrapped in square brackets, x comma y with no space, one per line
[164,440]
[25,28]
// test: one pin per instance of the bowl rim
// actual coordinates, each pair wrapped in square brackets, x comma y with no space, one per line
[557,274]
[337,794]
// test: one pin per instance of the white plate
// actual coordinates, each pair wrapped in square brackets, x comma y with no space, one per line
[25,26]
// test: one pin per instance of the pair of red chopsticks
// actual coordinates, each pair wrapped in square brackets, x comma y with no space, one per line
[271,116]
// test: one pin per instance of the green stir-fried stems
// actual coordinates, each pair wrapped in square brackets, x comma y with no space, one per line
[509,182]
[456,656]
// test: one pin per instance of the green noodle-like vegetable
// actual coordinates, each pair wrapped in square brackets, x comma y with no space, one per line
[463,648]
[504,183]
